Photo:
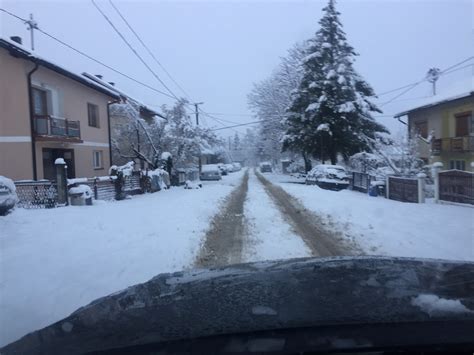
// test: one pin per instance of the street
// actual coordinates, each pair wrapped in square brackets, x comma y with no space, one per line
[260,221]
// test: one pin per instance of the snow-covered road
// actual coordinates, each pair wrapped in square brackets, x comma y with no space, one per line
[56,260]
[267,235]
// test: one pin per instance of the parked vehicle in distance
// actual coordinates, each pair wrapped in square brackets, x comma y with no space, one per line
[223,169]
[331,177]
[230,168]
[237,166]
[266,167]
[8,197]
[210,172]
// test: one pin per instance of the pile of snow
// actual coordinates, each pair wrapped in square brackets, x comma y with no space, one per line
[83,191]
[165,155]
[59,161]
[328,173]
[189,185]
[76,181]
[434,305]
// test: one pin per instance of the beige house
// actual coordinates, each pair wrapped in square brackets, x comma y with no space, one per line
[48,112]
[444,127]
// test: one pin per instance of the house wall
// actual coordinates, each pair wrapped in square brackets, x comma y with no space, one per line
[69,100]
[15,133]
[441,120]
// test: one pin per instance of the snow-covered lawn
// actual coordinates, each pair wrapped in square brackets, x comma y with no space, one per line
[268,236]
[385,227]
[54,261]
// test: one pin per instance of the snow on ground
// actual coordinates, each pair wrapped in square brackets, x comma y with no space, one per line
[385,227]
[55,260]
[268,236]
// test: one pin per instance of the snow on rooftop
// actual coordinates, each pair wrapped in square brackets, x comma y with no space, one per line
[459,89]
[34,55]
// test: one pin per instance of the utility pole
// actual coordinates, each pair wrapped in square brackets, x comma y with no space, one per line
[32,25]
[196,105]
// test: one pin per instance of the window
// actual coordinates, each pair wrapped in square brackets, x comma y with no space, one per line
[97,159]
[462,124]
[457,164]
[421,128]
[40,102]
[93,115]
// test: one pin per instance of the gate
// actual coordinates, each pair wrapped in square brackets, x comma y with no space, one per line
[456,186]
[36,194]
[403,189]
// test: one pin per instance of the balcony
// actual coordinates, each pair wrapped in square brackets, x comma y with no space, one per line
[51,128]
[452,145]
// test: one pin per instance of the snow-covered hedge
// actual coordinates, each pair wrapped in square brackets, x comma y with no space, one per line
[8,197]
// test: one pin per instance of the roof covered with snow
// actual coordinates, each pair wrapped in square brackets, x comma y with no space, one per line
[20,51]
[458,90]
[121,93]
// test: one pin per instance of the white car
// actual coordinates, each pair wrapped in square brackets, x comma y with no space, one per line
[230,168]
[210,172]
[331,177]
[237,166]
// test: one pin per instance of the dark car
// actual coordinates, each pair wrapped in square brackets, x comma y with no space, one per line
[266,168]
[331,177]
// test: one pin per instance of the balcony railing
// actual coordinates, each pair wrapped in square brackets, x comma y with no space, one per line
[452,145]
[52,126]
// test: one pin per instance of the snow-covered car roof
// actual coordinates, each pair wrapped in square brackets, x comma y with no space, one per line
[22,52]
[210,167]
[458,90]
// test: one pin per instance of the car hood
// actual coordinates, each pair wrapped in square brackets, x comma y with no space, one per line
[261,296]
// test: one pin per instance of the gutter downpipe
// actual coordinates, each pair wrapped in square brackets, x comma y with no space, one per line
[32,124]
[108,127]
[400,120]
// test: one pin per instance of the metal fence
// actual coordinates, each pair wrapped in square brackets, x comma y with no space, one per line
[361,181]
[403,189]
[36,194]
[456,186]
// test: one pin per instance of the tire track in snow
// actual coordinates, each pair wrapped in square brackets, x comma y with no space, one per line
[306,224]
[267,235]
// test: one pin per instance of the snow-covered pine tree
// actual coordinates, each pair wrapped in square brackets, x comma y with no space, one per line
[332,94]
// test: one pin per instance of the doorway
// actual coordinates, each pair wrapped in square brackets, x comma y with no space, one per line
[49,157]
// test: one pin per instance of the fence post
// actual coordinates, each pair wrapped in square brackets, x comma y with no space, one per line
[435,169]
[61,181]
[421,187]
[387,187]
[96,192]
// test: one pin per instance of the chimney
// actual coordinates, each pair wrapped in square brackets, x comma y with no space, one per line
[99,76]
[112,83]
[16,39]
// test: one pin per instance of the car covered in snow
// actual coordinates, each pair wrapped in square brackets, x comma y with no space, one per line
[8,197]
[266,167]
[223,168]
[210,172]
[230,168]
[331,177]
[237,166]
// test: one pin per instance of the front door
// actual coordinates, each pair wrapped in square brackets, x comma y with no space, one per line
[49,157]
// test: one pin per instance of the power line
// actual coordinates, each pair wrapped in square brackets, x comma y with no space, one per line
[148,50]
[455,65]
[92,58]
[133,50]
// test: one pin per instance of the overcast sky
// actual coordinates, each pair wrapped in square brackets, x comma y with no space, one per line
[216,49]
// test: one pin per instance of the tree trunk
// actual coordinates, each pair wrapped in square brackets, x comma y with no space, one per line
[307,162]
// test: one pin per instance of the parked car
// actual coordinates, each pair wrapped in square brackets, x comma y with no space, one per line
[223,169]
[237,166]
[266,167]
[210,172]
[230,168]
[8,197]
[331,177]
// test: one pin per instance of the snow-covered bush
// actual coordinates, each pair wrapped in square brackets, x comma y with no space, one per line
[125,170]
[366,162]
[8,197]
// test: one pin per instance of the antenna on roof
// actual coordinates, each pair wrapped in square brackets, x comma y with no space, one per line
[32,25]
[432,76]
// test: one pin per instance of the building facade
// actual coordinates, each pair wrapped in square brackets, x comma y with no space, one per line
[444,130]
[48,112]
